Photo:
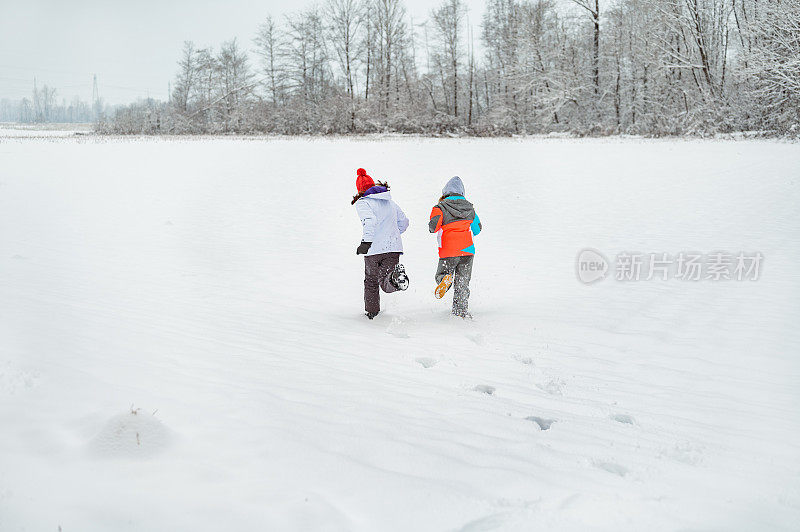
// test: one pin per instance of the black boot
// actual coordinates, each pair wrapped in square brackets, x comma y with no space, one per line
[370,315]
[399,278]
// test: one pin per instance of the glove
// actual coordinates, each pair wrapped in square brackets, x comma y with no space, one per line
[363,248]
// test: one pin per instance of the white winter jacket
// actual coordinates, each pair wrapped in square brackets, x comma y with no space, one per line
[383,221]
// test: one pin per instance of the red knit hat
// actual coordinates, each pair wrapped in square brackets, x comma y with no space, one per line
[363,181]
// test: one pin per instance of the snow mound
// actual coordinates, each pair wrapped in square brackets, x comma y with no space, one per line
[132,434]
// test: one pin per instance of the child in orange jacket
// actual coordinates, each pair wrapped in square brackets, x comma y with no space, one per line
[454,221]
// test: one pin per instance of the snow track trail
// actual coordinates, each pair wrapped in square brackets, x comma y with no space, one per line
[182,344]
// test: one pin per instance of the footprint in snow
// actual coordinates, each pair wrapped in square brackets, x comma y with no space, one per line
[543,423]
[426,362]
[624,418]
[612,468]
[552,387]
[398,328]
[477,338]
[686,452]
[485,388]
[489,522]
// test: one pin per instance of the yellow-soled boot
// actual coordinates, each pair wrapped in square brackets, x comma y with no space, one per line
[444,286]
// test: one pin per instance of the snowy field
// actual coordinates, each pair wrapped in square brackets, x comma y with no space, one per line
[183,346]
[15,130]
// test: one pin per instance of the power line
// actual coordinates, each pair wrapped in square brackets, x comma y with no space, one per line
[54,71]
[26,80]
[143,90]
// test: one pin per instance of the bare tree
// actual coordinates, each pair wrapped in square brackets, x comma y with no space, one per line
[368,46]
[187,77]
[345,20]
[235,84]
[774,62]
[448,20]
[308,66]
[268,48]
[592,7]
[501,38]
[390,26]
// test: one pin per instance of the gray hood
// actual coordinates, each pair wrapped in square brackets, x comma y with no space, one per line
[454,187]
[457,209]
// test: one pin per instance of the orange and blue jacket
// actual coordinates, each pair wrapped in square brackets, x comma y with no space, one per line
[454,221]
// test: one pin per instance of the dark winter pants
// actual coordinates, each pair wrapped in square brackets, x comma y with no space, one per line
[377,273]
[461,267]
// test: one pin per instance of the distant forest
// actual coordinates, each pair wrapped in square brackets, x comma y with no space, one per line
[649,67]
[44,107]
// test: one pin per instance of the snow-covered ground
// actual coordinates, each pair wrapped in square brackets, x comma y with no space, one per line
[14,130]
[182,344]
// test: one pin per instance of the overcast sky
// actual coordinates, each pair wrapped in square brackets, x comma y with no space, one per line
[132,46]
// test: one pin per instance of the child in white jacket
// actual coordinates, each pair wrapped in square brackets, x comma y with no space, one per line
[383,221]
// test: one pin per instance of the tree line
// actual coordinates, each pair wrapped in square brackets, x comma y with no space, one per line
[44,107]
[651,67]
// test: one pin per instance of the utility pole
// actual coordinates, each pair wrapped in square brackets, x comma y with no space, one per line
[37,111]
[95,99]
